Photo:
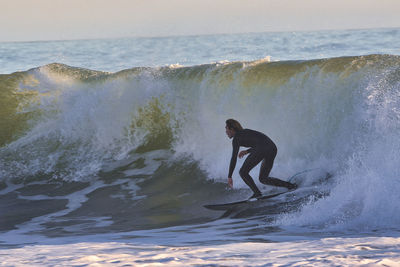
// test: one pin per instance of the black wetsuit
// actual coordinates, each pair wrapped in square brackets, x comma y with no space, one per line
[262,148]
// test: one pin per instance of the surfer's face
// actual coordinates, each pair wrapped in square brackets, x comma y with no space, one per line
[229,132]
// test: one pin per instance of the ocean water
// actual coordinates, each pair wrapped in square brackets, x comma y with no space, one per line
[110,148]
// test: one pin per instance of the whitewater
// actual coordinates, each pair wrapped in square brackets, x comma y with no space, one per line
[110,148]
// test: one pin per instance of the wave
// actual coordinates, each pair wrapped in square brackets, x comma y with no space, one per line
[341,115]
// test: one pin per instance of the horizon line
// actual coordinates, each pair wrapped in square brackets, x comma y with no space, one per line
[195,35]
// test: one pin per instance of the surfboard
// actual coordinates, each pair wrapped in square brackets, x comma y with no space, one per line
[231,205]
[226,206]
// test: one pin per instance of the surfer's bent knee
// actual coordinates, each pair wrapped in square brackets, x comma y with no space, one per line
[243,172]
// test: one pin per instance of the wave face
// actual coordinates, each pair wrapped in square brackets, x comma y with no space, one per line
[155,137]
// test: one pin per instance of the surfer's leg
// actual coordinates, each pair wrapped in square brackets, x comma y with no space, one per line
[265,169]
[251,161]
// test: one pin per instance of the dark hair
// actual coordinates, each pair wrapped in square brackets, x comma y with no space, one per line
[233,125]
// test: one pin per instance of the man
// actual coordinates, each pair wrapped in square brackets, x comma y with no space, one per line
[262,148]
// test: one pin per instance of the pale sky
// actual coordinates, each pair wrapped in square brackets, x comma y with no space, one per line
[31,20]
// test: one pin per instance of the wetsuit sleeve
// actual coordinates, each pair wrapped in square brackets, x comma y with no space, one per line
[235,151]
[250,150]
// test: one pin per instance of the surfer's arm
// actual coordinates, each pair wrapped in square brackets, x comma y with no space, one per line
[230,182]
[235,151]
[245,152]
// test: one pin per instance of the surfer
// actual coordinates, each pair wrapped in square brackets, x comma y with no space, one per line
[262,149]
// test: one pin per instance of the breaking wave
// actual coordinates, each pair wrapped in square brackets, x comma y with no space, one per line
[156,135]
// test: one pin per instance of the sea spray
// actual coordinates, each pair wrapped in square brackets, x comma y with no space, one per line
[368,178]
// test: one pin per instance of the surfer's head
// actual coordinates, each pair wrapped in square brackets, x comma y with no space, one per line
[231,127]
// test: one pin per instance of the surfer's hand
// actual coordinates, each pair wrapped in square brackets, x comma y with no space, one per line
[230,182]
[243,153]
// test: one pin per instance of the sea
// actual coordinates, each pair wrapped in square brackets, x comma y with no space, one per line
[110,148]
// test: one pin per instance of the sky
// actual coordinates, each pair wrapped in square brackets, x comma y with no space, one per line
[33,20]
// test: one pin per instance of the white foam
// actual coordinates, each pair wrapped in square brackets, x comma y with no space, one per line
[83,126]
[370,251]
